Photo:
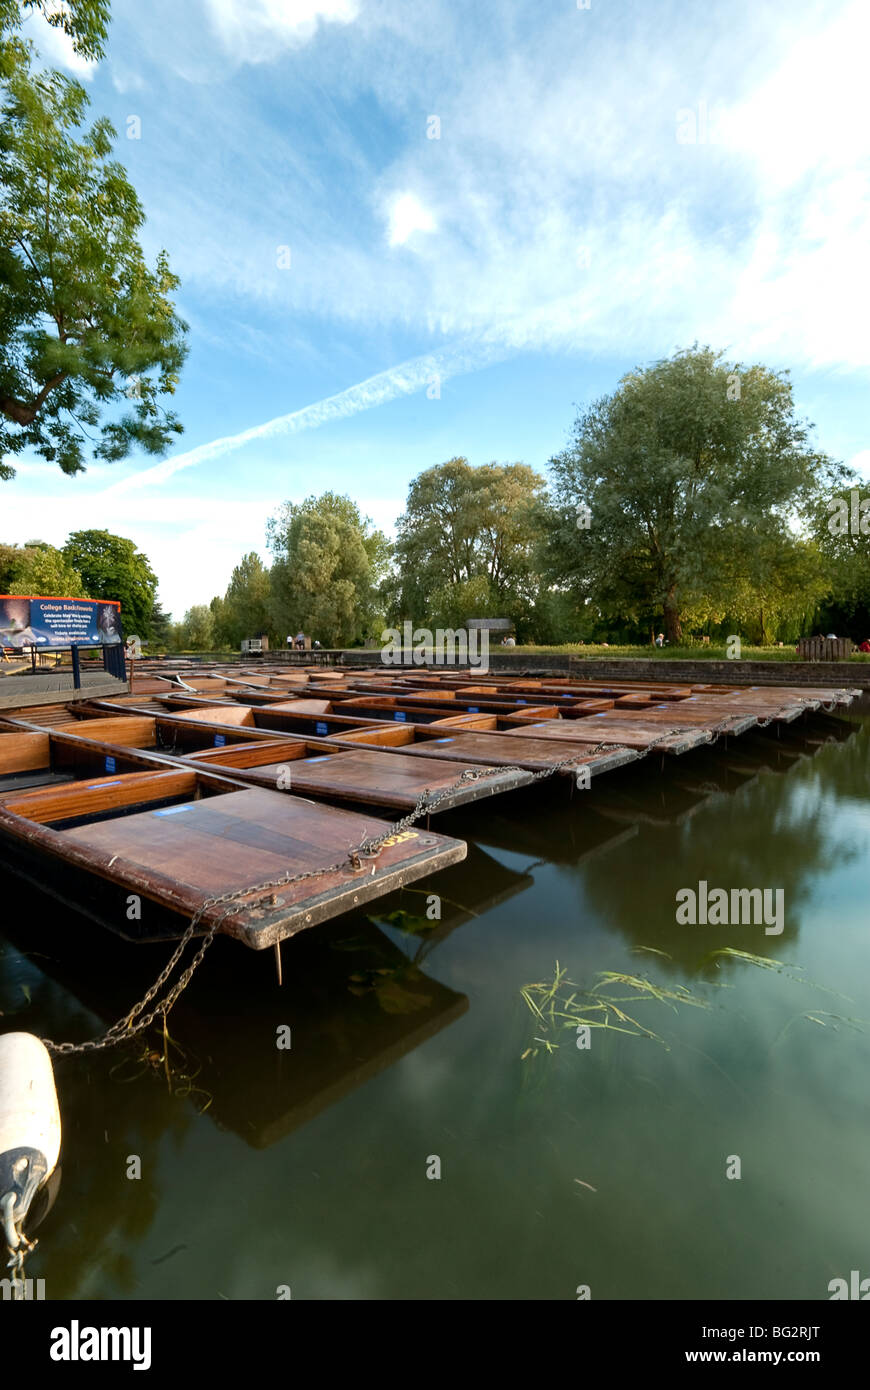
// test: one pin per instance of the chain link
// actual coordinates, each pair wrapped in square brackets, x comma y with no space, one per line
[137,1021]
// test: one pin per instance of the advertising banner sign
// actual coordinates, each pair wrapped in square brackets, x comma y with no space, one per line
[59,622]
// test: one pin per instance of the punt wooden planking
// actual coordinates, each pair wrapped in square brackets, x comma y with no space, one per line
[178,838]
[318,768]
[490,749]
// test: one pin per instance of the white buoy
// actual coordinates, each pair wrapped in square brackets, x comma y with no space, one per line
[29,1129]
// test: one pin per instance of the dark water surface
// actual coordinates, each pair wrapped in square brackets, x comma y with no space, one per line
[307,1168]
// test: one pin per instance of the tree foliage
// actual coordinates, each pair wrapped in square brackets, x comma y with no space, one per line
[40,570]
[90,342]
[195,632]
[841,528]
[692,471]
[328,564]
[86,22]
[467,536]
[111,567]
[244,611]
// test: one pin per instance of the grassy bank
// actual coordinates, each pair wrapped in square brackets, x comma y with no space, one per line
[648,653]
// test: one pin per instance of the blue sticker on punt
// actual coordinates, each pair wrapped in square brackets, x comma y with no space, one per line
[220,740]
[321,728]
[172,810]
[110,765]
[474,709]
[442,740]
[522,702]
[400,715]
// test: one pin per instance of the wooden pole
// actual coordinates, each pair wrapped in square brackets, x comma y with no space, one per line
[278,963]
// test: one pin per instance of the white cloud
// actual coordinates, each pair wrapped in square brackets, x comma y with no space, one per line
[125,80]
[55,48]
[257,31]
[567,142]
[407,215]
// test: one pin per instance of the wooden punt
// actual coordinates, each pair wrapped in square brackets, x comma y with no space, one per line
[488,748]
[359,1001]
[177,838]
[285,717]
[420,709]
[353,776]
[363,776]
[35,758]
[257,754]
[629,735]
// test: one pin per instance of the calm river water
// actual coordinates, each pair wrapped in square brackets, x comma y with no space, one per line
[414,1050]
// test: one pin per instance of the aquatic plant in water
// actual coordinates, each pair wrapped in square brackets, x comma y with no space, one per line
[555,1009]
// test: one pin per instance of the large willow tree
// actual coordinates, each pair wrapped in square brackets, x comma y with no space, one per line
[684,487]
[466,542]
[328,564]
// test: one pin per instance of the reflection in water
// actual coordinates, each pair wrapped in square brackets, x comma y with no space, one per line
[262,1165]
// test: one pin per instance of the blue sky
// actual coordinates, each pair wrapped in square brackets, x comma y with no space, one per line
[610,184]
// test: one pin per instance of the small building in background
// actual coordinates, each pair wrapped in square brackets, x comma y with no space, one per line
[501,631]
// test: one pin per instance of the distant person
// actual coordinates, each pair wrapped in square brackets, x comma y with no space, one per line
[315,645]
[509,642]
[660,640]
[831,637]
[290,640]
[300,641]
[865,645]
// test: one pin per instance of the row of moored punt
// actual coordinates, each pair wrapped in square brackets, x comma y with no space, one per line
[252,796]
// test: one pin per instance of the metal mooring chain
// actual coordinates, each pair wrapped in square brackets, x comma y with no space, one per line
[137,1021]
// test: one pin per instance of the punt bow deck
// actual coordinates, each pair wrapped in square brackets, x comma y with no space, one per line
[142,852]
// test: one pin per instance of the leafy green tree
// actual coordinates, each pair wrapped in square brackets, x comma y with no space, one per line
[86,22]
[841,529]
[44,571]
[177,641]
[197,630]
[328,565]
[689,471]
[221,622]
[245,610]
[451,604]
[9,557]
[464,524]
[161,627]
[773,588]
[86,325]
[112,567]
